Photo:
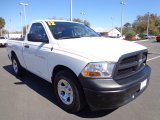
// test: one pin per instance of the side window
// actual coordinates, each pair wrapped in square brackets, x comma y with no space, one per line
[37,28]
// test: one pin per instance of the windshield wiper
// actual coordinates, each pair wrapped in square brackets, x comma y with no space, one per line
[70,37]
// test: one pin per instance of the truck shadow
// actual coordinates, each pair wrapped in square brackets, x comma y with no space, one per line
[45,89]
[39,85]
[2,46]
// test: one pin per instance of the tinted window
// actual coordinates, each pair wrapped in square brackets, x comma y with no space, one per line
[37,28]
[65,30]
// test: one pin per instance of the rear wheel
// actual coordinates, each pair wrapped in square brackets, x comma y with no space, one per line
[67,91]
[18,69]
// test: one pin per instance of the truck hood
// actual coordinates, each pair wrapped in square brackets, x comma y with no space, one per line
[99,48]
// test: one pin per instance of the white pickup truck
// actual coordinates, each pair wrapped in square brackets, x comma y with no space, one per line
[83,67]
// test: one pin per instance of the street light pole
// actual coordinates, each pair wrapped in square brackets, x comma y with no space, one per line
[24,10]
[112,25]
[21,22]
[10,25]
[70,10]
[148,23]
[122,3]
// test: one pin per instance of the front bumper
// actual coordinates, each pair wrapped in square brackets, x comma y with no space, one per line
[109,94]
[2,44]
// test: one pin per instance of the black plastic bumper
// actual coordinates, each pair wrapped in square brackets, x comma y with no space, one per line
[2,44]
[109,93]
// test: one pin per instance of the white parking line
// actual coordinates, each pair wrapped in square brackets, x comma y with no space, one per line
[153,58]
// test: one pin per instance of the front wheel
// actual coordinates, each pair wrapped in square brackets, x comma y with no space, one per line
[68,92]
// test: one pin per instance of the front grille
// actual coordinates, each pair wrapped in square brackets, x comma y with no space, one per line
[130,64]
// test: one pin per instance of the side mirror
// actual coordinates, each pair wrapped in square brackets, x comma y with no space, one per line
[35,38]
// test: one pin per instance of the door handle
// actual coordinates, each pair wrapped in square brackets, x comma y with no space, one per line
[26,46]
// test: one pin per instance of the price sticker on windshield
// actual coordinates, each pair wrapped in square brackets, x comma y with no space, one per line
[50,23]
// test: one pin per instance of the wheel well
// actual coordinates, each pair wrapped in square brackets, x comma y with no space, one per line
[13,54]
[59,68]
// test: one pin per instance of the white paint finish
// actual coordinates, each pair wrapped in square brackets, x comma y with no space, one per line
[37,55]
[75,53]
[17,47]
[100,48]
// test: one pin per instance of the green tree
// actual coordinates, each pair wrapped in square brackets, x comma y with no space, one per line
[130,34]
[87,23]
[140,24]
[127,25]
[2,24]
[4,31]
[24,29]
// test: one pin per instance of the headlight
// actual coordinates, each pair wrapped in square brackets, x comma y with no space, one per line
[100,69]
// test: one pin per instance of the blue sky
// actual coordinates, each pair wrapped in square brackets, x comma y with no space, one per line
[97,12]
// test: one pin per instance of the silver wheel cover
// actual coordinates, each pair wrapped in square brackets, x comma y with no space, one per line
[15,66]
[65,92]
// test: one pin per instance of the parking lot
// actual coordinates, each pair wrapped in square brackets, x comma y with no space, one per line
[31,98]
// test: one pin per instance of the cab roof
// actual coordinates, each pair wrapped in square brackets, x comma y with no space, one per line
[46,20]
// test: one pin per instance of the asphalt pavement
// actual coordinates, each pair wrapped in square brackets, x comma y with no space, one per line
[31,98]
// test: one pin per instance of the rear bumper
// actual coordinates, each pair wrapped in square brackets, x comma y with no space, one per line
[158,39]
[108,94]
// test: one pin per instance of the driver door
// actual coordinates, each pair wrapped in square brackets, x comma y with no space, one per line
[36,53]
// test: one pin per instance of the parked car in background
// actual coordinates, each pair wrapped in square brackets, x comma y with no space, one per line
[137,37]
[149,37]
[3,41]
[158,38]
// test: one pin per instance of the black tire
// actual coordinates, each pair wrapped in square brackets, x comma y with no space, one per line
[78,98]
[19,70]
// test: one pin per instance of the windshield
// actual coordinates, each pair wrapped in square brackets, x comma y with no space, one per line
[67,30]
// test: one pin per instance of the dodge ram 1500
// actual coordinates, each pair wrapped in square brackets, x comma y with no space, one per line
[83,67]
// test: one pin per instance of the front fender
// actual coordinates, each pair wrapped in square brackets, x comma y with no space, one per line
[72,61]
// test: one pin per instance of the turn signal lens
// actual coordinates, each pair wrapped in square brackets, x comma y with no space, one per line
[91,74]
